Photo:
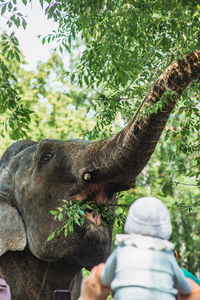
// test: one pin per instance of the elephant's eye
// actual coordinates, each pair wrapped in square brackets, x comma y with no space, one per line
[47,156]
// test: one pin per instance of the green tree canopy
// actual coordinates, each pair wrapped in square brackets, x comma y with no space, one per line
[125,46]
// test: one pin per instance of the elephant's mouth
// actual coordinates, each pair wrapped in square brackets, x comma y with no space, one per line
[96,232]
[98,193]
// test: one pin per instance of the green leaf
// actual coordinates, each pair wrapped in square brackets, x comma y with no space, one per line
[58,232]
[17,22]
[6,126]
[3,9]
[69,213]
[53,212]
[60,216]
[51,236]
[65,232]
[80,82]
[157,15]
[42,3]
[17,56]
[81,212]
[77,221]
[43,40]
[50,10]
[72,77]
[86,79]
[70,227]
[10,5]
[82,221]
[5,48]
[66,202]
[61,49]
[24,24]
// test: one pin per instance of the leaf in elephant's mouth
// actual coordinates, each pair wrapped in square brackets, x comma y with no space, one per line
[95,194]
[91,204]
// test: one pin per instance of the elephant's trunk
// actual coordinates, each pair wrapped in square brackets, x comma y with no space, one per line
[121,158]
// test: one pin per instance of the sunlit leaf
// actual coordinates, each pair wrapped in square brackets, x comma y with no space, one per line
[51,236]
[3,9]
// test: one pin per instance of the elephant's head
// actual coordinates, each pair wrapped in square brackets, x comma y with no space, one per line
[36,177]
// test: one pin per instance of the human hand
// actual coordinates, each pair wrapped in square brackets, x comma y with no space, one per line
[91,287]
[4,290]
[195,292]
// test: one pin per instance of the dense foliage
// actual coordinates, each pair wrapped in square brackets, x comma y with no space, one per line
[126,45]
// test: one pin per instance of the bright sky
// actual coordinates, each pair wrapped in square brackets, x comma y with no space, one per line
[37,24]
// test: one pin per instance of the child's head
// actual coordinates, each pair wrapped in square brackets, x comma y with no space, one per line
[149,216]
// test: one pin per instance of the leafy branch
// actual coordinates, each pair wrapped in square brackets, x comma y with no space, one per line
[75,213]
[182,205]
[188,184]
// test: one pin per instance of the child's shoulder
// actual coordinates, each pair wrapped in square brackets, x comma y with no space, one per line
[145,242]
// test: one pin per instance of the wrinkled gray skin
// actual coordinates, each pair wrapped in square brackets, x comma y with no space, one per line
[31,186]
[35,177]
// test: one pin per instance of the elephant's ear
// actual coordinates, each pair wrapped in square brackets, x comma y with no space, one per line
[12,231]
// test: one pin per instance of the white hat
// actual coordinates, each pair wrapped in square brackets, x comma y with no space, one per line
[149,216]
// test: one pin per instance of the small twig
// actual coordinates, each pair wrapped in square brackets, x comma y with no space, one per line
[117,205]
[188,168]
[189,205]
[188,184]
[114,99]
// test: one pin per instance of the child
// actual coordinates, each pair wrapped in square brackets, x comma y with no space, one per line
[143,266]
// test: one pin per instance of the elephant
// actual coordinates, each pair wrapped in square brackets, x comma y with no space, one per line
[36,176]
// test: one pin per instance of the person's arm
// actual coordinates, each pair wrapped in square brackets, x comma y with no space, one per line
[190,275]
[91,287]
[109,270]
[4,290]
[180,281]
[195,292]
